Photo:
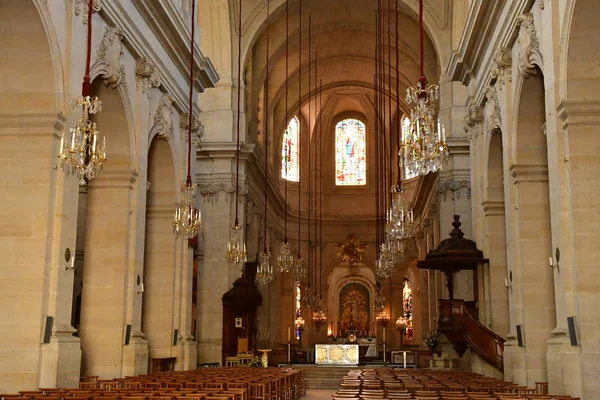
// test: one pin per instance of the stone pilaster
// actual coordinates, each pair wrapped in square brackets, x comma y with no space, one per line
[39,224]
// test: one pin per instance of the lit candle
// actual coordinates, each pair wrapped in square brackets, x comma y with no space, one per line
[94,144]
[73,262]
[142,287]
[439,129]
[551,263]
[62,143]
[443,133]
[73,140]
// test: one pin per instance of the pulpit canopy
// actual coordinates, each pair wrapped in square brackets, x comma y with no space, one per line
[454,254]
[243,295]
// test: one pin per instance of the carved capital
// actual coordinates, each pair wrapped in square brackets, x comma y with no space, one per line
[529,46]
[473,122]
[454,187]
[197,129]
[163,117]
[501,66]
[147,74]
[81,8]
[492,116]
[211,193]
[109,57]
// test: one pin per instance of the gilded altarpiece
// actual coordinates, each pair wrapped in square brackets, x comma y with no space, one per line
[355,310]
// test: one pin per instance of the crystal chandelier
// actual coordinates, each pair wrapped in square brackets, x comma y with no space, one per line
[385,267]
[298,269]
[81,154]
[400,219]
[188,220]
[423,148]
[236,249]
[319,319]
[264,274]
[286,258]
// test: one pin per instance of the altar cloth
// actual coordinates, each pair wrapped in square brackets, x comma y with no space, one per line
[336,354]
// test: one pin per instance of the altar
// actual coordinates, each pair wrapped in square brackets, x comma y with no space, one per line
[336,354]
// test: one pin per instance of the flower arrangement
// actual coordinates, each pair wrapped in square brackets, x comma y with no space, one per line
[432,339]
[255,362]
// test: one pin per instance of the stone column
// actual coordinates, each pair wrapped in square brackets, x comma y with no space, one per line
[107,247]
[39,216]
[215,275]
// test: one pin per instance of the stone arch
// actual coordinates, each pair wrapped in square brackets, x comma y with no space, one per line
[159,251]
[107,241]
[533,280]
[26,25]
[581,57]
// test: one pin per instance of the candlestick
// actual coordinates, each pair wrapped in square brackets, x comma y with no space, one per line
[289,333]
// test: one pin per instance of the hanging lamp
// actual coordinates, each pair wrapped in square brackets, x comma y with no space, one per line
[424,146]
[81,154]
[299,269]
[286,257]
[264,273]
[188,219]
[236,248]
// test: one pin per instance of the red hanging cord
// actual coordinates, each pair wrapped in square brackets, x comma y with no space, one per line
[398,120]
[239,101]
[287,34]
[188,180]
[266,141]
[86,87]
[299,115]
[422,78]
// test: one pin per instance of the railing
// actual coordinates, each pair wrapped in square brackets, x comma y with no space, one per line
[461,327]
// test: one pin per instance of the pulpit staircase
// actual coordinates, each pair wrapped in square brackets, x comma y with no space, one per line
[458,322]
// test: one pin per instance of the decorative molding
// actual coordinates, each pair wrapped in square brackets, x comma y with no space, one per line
[529,46]
[501,67]
[491,207]
[473,122]
[163,117]
[492,114]
[197,129]
[147,74]
[81,8]
[528,173]
[455,187]
[211,192]
[573,113]
[109,57]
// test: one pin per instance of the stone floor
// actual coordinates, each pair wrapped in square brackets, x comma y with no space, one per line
[318,394]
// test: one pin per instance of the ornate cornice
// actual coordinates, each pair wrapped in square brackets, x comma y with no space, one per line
[109,57]
[501,66]
[147,74]
[529,45]
[574,113]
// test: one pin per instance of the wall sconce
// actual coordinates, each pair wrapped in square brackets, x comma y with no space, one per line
[557,256]
[70,259]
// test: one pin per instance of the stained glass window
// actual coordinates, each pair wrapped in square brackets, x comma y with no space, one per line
[290,165]
[408,308]
[298,308]
[408,173]
[350,158]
